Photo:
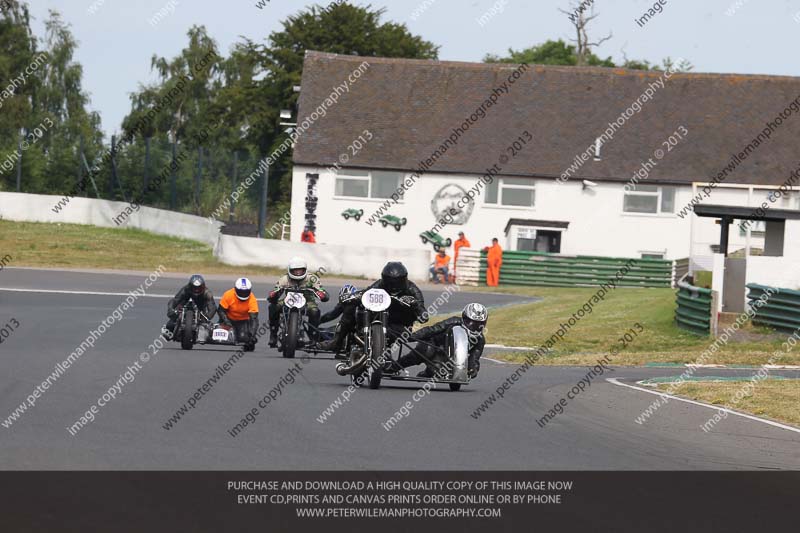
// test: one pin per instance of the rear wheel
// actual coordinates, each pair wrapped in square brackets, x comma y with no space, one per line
[357,217]
[290,337]
[397,227]
[187,338]
[377,345]
[455,387]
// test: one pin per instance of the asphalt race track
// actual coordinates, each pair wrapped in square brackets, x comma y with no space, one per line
[596,431]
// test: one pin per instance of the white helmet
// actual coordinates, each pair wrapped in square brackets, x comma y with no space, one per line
[297,268]
[243,288]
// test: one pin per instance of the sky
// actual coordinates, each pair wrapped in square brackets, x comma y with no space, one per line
[117,40]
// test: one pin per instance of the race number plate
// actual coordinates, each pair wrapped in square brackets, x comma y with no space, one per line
[295,299]
[220,335]
[376,300]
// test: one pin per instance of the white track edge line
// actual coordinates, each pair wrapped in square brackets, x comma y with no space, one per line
[615,381]
[94,293]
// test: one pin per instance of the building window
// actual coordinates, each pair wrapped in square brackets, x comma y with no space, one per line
[517,192]
[363,184]
[384,184]
[758,228]
[526,239]
[649,199]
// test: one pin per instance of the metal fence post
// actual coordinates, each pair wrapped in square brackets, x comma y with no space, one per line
[19,166]
[146,178]
[198,179]
[233,186]
[262,208]
[90,175]
[113,174]
[80,168]
[173,186]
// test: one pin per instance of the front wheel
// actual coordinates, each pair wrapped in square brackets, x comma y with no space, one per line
[346,217]
[377,345]
[455,387]
[187,337]
[290,337]
[383,223]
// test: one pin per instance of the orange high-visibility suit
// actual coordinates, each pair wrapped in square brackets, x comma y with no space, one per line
[236,309]
[494,260]
[462,241]
[307,236]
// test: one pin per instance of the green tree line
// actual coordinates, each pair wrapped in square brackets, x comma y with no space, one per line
[220,110]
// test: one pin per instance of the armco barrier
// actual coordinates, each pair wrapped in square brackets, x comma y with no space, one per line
[782,310]
[695,309]
[536,268]
[468,266]
[680,267]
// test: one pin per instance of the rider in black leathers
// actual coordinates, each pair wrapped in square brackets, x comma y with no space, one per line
[434,338]
[394,280]
[194,290]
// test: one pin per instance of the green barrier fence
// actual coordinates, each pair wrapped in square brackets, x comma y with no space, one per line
[694,311]
[782,309]
[542,269]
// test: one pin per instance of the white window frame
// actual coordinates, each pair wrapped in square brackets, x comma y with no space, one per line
[515,231]
[758,228]
[662,253]
[501,184]
[658,194]
[342,174]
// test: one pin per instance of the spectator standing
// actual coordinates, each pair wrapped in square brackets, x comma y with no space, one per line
[494,260]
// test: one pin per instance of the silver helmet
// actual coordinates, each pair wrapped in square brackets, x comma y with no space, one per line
[474,317]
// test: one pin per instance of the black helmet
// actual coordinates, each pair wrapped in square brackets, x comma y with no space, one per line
[394,277]
[197,284]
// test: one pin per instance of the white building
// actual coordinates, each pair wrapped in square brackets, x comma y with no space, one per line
[402,116]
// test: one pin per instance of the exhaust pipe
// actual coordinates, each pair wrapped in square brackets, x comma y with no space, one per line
[344,369]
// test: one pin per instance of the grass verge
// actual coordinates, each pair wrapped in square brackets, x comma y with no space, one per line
[771,398]
[599,332]
[76,246]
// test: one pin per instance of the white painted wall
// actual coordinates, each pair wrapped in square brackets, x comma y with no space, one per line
[718,277]
[24,207]
[336,258]
[781,272]
[598,226]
